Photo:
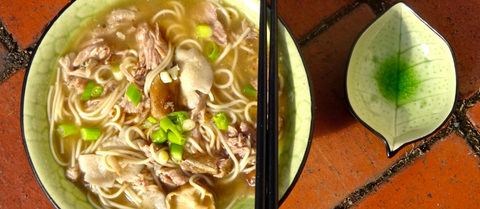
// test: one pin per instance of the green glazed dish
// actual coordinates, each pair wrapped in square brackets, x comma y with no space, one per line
[401,78]
[35,127]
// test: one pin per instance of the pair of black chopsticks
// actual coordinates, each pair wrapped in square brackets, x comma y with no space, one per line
[266,189]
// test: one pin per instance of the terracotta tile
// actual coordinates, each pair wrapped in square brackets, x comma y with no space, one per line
[303,16]
[26,20]
[344,155]
[458,24]
[16,175]
[473,114]
[3,54]
[446,177]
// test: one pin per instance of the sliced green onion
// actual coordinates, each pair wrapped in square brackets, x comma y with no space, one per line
[163,156]
[152,119]
[149,122]
[167,125]
[176,152]
[88,91]
[174,72]
[67,130]
[133,94]
[117,73]
[165,76]
[188,125]
[221,120]
[159,136]
[178,117]
[90,133]
[172,137]
[179,127]
[97,91]
[249,90]
[204,31]
[212,51]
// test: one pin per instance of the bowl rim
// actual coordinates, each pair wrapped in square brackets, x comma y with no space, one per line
[390,153]
[60,13]
[312,121]
[22,105]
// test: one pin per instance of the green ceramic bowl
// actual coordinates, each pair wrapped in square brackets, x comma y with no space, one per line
[401,78]
[35,127]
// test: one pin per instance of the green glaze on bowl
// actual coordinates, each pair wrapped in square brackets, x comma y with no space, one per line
[35,127]
[401,78]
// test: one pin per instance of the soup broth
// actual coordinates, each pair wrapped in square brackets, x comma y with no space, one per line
[154,105]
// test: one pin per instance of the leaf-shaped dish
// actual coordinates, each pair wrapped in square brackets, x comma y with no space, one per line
[401,78]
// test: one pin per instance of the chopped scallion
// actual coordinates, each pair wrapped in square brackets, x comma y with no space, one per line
[188,125]
[147,124]
[152,119]
[212,51]
[163,156]
[165,76]
[67,130]
[178,117]
[159,136]
[176,152]
[204,31]
[221,120]
[133,94]
[174,72]
[88,91]
[97,91]
[117,73]
[90,133]
[249,90]
[179,127]
[167,125]
[172,137]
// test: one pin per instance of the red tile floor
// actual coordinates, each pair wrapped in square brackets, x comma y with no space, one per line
[347,165]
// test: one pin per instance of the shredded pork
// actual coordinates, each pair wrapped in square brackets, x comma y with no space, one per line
[209,16]
[173,176]
[201,163]
[153,48]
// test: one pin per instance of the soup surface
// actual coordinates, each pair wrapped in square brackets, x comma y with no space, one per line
[154,106]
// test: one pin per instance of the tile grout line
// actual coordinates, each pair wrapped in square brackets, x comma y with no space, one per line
[458,123]
[16,58]
[420,150]
[327,23]
[378,8]
[463,125]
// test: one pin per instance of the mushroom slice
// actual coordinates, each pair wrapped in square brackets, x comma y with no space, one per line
[195,75]
[187,197]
